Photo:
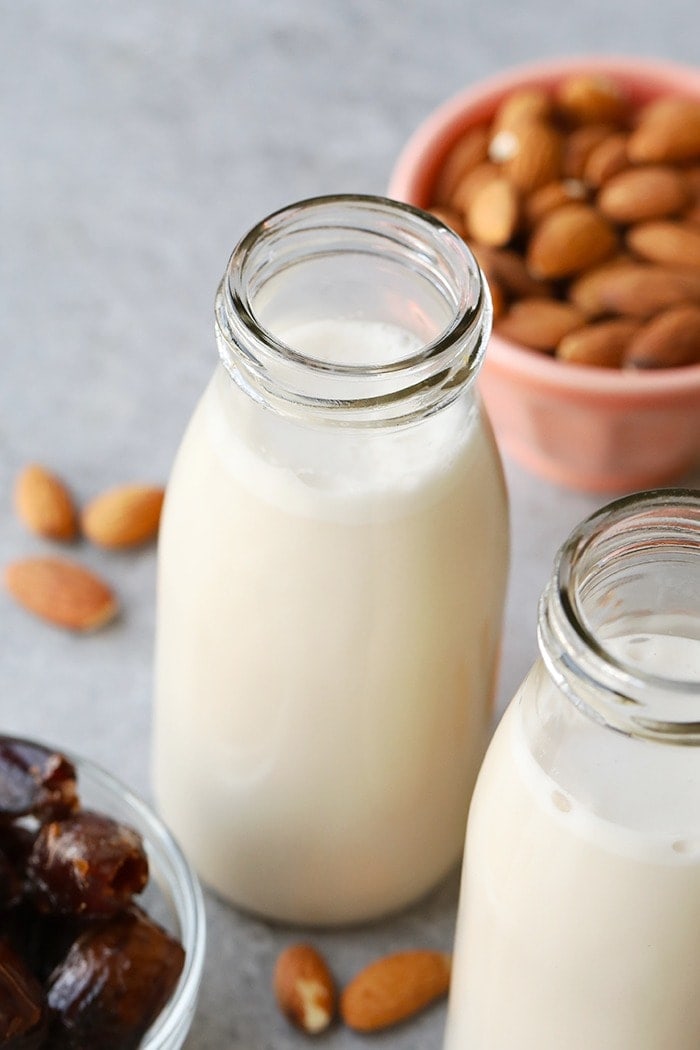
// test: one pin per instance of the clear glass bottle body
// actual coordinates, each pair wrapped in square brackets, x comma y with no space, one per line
[579,913]
[332,566]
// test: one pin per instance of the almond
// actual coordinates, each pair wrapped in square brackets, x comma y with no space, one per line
[509,269]
[568,240]
[44,504]
[492,216]
[539,324]
[522,106]
[634,289]
[642,194]
[668,341]
[553,195]
[668,130]
[304,988]
[469,150]
[579,146]
[592,98]
[602,344]
[123,516]
[394,988]
[471,183]
[606,159]
[450,217]
[532,155]
[674,243]
[62,592]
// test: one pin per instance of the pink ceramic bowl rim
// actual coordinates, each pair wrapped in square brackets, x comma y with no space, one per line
[419,161]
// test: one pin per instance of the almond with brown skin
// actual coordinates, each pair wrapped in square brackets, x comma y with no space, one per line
[522,106]
[125,516]
[539,324]
[668,130]
[602,344]
[450,217]
[469,150]
[531,153]
[606,159]
[304,988]
[568,240]
[492,216]
[668,341]
[394,988]
[44,504]
[508,268]
[670,243]
[592,98]
[547,198]
[643,194]
[61,592]
[634,289]
[472,183]
[579,146]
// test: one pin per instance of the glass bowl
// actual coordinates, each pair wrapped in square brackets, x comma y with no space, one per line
[173,896]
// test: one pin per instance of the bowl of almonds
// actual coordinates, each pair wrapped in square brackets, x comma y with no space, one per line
[576,184]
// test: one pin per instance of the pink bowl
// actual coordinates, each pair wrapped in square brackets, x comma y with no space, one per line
[591,428]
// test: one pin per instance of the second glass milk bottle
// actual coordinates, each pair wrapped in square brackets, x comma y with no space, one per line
[332,568]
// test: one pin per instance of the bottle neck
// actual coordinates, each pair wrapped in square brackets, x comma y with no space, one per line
[393,300]
[619,624]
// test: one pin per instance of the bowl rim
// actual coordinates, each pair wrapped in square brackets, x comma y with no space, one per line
[419,161]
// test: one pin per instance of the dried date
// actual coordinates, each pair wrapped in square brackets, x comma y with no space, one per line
[113,983]
[34,781]
[86,864]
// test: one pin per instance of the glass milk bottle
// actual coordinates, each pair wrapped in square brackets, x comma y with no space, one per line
[332,566]
[579,915]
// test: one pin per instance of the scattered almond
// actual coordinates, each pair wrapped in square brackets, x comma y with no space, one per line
[124,516]
[568,240]
[668,341]
[539,324]
[394,988]
[642,194]
[304,988]
[61,592]
[44,504]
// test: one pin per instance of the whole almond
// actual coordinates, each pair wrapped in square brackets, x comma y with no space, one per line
[124,516]
[668,130]
[471,183]
[602,344]
[547,198]
[606,159]
[44,504]
[642,194]
[304,988]
[579,146]
[469,150]
[634,289]
[668,341]
[508,268]
[492,216]
[61,592]
[539,324]
[534,156]
[394,988]
[592,98]
[568,240]
[672,243]
[524,105]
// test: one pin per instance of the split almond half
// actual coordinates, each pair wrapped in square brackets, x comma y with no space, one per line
[44,504]
[61,592]
[125,516]
[394,988]
[304,988]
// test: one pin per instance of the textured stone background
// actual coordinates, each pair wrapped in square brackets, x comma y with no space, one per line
[138,141]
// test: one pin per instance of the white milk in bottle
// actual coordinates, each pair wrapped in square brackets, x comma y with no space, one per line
[332,565]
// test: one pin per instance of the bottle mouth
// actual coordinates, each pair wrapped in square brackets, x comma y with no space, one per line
[620,620]
[357,260]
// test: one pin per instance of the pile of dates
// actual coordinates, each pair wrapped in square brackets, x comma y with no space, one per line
[82,966]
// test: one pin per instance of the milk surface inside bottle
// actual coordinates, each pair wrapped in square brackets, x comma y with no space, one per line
[579,913]
[332,566]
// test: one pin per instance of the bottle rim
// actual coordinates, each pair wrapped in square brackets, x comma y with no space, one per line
[437,371]
[613,689]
